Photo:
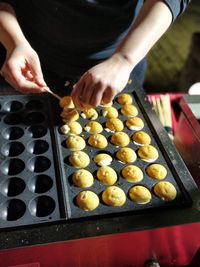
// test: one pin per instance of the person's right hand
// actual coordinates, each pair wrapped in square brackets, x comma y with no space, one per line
[22,69]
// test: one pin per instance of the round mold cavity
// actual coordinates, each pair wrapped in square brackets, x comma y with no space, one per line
[12,133]
[12,210]
[37,131]
[12,187]
[34,105]
[13,106]
[12,166]
[12,119]
[12,149]
[39,164]
[42,206]
[40,184]
[34,118]
[37,147]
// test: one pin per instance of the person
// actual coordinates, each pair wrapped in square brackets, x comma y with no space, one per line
[96,43]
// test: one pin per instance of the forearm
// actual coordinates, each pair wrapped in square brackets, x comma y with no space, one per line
[10,32]
[153,20]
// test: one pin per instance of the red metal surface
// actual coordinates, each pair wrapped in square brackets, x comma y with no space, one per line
[172,246]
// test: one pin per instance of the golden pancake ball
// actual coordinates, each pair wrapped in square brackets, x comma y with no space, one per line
[135,124]
[90,114]
[165,190]
[98,141]
[120,139]
[141,138]
[115,125]
[87,200]
[75,142]
[93,127]
[103,159]
[126,155]
[79,159]
[129,110]
[114,196]
[66,102]
[157,171]
[82,178]
[70,115]
[107,175]
[148,153]
[109,112]
[72,127]
[132,173]
[140,194]
[124,99]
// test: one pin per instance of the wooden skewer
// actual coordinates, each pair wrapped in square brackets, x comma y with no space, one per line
[153,100]
[47,89]
[165,99]
[163,109]
[160,111]
[166,110]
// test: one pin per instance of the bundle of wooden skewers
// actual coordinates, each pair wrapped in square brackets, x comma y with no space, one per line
[162,106]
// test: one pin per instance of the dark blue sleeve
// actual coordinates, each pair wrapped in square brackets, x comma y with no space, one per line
[177,7]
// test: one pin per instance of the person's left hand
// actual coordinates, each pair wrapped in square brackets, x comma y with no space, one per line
[102,82]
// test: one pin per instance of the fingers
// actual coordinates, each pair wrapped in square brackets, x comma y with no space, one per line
[36,71]
[15,77]
[87,92]
[77,94]
[108,95]
[88,89]
[97,95]
[21,77]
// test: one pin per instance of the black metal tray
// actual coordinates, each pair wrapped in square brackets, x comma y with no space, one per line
[28,174]
[71,191]
[36,148]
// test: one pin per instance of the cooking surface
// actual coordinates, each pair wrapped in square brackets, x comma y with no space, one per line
[56,228]
[28,187]
[67,169]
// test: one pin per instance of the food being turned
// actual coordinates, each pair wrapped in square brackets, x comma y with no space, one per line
[124,99]
[66,102]
[103,159]
[148,153]
[82,178]
[129,110]
[75,143]
[157,171]
[109,104]
[109,112]
[115,125]
[93,127]
[140,194]
[141,138]
[107,175]
[132,174]
[98,141]
[69,115]
[87,200]
[126,155]
[135,124]
[71,127]
[165,191]
[114,196]
[79,159]
[120,139]
[90,114]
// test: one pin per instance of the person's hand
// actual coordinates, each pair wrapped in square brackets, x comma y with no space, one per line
[102,82]
[22,69]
